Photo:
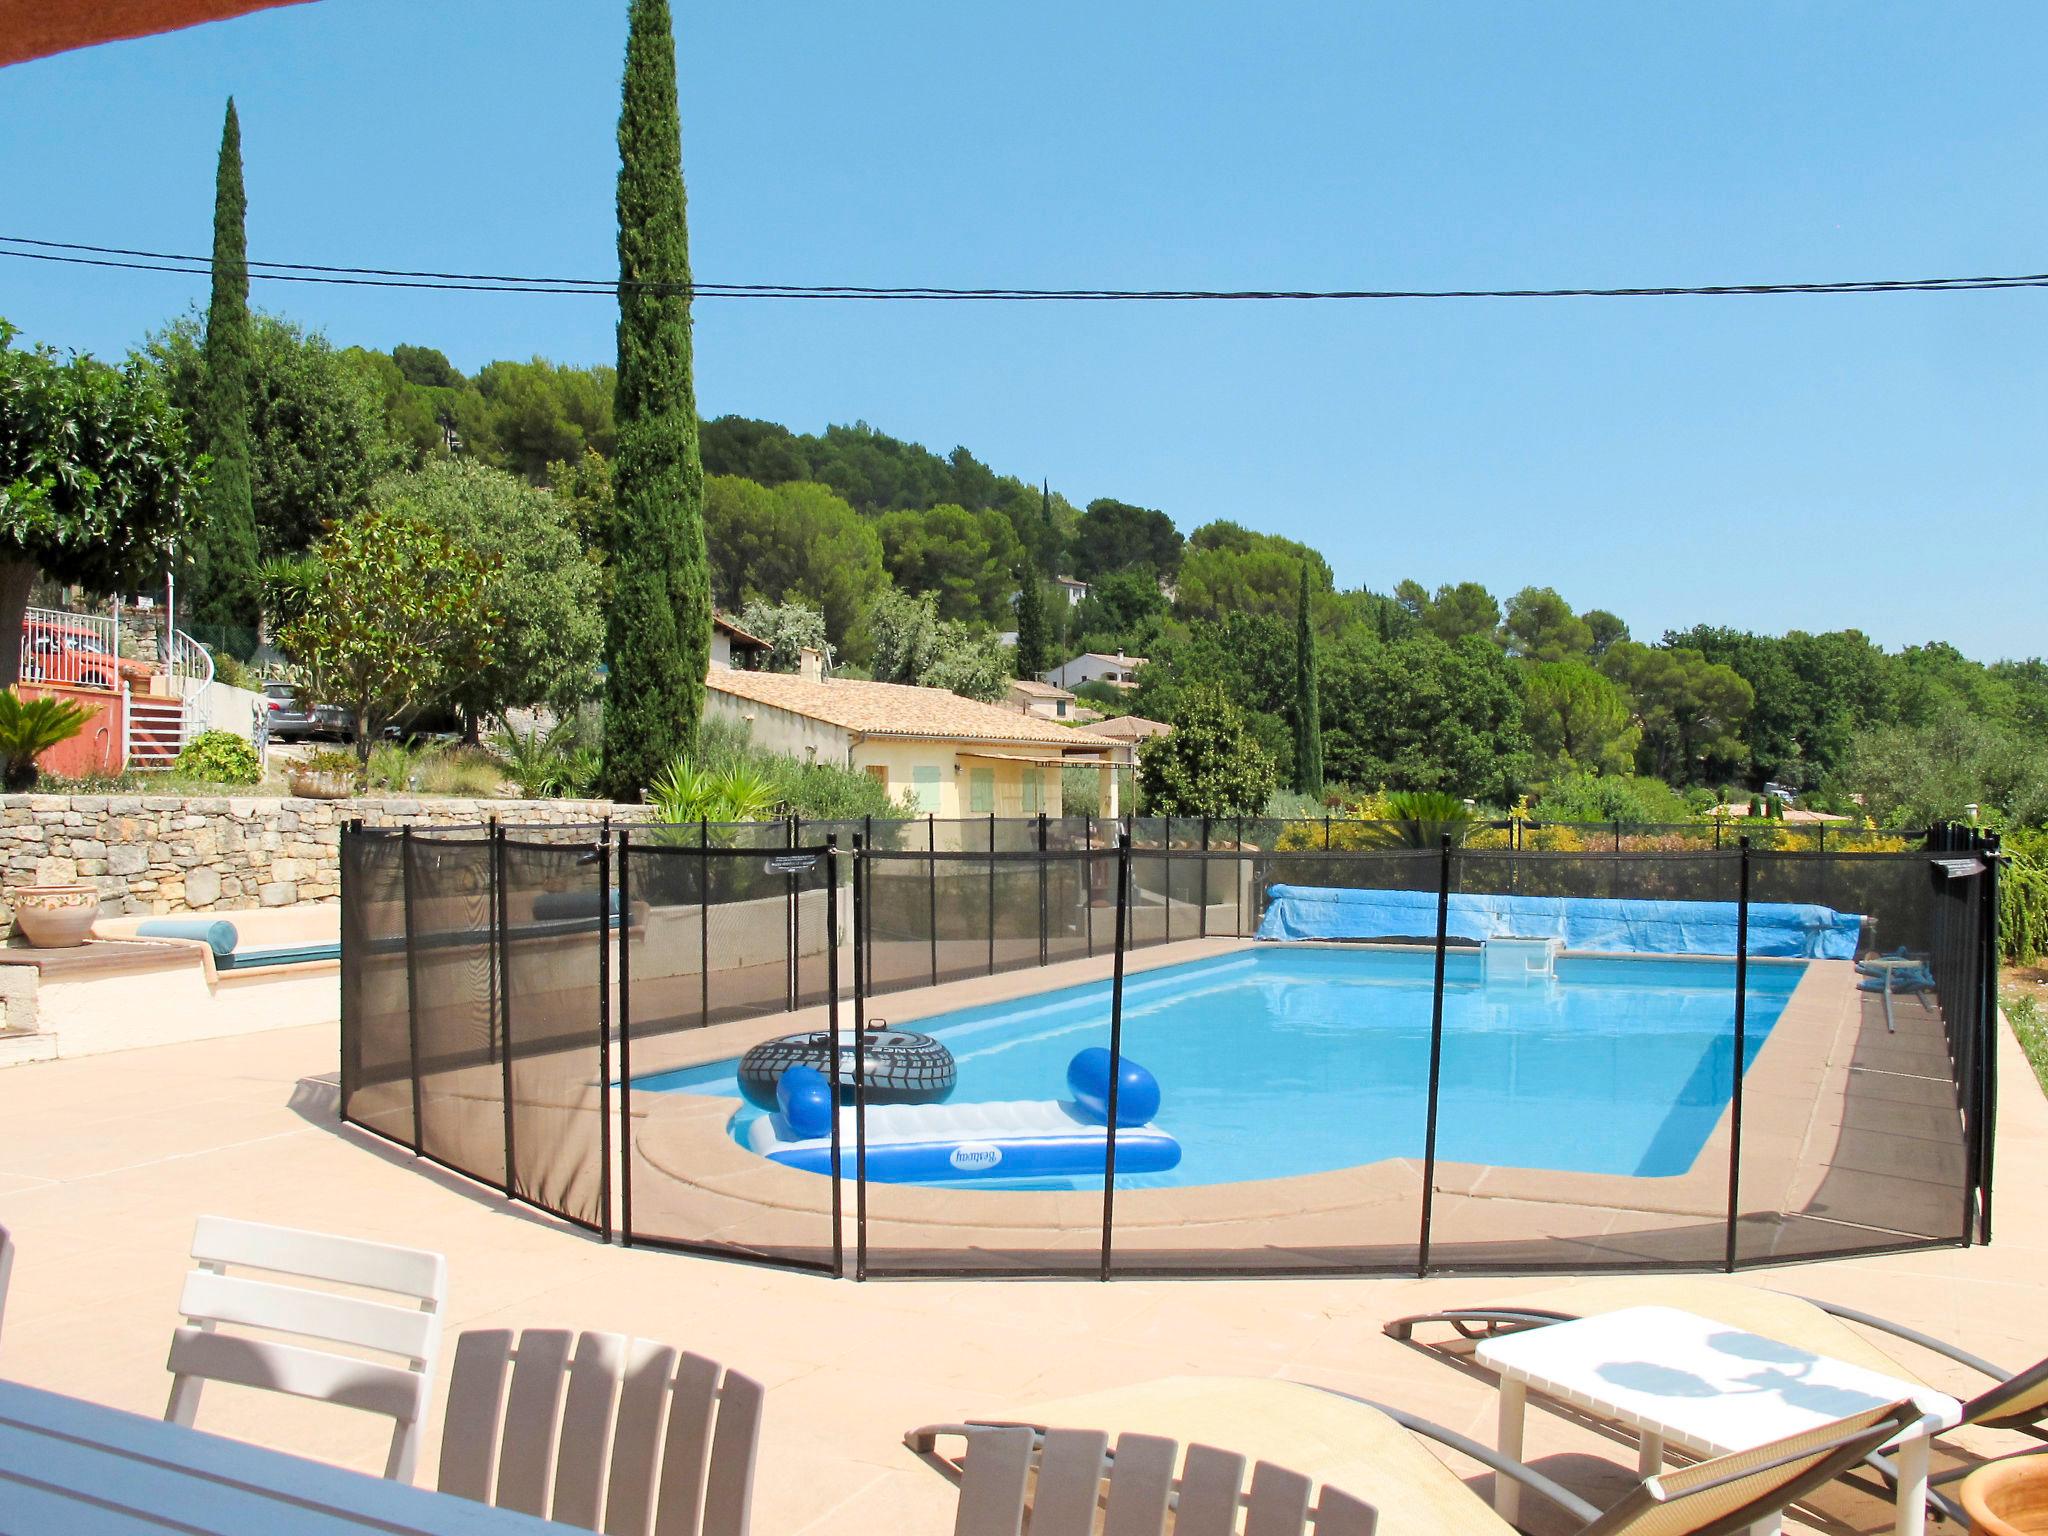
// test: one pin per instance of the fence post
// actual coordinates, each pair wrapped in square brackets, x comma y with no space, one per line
[1088,882]
[604,1028]
[991,893]
[832,1027]
[931,873]
[1741,1042]
[703,921]
[1436,1053]
[1044,917]
[625,1042]
[1326,831]
[860,1094]
[792,930]
[504,993]
[1116,1047]
[1202,926]
[1166,873]
[412,1001]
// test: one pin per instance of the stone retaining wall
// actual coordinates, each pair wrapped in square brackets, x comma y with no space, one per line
[170,853]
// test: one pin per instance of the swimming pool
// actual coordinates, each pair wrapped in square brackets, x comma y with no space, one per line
[1279,1062]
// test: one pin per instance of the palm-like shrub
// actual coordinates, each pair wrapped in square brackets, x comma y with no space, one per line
[28,729]
[1420,818]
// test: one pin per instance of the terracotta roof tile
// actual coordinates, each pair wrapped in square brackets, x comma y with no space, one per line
[895,709]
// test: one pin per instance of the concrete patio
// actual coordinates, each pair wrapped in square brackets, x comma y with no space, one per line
[105,1161]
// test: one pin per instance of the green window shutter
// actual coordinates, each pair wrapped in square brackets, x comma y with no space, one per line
[924,782]
[981,791]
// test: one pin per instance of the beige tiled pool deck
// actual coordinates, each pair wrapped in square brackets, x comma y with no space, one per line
[105,1161]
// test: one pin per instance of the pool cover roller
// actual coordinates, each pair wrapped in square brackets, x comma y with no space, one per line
[1777,929]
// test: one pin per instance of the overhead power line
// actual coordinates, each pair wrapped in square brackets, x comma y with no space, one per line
[72,253]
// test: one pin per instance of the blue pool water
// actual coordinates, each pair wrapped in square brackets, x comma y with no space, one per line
[1284,1061]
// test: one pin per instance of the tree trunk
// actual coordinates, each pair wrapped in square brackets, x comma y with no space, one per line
[17,579]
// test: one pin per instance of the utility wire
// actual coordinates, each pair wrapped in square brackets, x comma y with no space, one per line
[483,282]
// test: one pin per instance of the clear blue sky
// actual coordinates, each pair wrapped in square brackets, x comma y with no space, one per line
[1772,463]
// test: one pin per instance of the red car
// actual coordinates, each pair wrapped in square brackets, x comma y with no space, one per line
[67,653]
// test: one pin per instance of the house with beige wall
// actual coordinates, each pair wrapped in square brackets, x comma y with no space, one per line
[945,755]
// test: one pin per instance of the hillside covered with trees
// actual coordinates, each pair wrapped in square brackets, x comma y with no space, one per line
[908,563]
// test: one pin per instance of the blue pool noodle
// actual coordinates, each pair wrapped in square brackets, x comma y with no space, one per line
[1137,1099]
[218,932]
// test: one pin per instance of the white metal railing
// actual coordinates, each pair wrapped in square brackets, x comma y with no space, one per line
[81,650]
[191,668]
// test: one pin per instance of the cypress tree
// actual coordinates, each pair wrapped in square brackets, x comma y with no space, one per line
[1033,640]
[1308,704]
[658,626]
[223,580]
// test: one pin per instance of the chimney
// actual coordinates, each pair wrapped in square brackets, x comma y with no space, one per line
[810,664]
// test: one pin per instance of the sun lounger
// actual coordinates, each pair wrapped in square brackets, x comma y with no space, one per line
[2016,1400]
[1364,1456]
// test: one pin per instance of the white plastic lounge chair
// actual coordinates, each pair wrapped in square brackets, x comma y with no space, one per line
[2016,1400]
[601,1431]
[1391,1484]
[410,1331]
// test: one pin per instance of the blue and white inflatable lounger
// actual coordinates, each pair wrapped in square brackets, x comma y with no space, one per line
[1003,1139]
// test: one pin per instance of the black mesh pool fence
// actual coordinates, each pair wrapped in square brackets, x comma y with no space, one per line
[1504,1057]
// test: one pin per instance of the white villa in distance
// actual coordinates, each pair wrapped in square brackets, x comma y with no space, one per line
[951,757]
[1094,667]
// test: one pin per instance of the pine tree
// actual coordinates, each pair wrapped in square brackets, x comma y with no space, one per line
[223,581]
[1033,638]
[658,627]
[1308,704]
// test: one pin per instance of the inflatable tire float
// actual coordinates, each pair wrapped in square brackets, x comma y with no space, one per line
[901,1066]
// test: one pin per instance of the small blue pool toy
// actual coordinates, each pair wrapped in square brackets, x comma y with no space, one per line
[1006,1139]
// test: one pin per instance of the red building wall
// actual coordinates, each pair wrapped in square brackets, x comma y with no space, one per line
[94,750]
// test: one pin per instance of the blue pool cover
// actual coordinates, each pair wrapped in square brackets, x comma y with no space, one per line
[1777,929]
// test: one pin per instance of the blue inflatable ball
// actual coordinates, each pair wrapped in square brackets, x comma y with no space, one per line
[805,1099]
[1137,1099]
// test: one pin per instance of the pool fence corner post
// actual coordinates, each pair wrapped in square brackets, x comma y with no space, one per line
[991,893]
[1326,831]
[1987,1033]
[861,981]
[412,1000]
[1730,1257]
[604,1028]
[502,924]
[1240,879]
[625,1024]
[832,1027]
[931,878]
[1202,925]
[1116,1048]
[1044,916]
[1436,1054]
[1617,834]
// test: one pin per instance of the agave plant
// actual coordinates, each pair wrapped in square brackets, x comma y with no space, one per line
[28,729]
[682,792]
[1420,818]
[745,793]
[547,763]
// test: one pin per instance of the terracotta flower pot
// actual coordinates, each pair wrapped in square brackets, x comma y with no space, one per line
[310,784]
[2008,1498]
[55,916]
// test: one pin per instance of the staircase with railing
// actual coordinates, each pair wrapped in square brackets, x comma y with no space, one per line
[165,703]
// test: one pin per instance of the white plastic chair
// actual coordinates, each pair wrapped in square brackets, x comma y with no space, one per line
[412,1332]
[612,1434]
[6,1269]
